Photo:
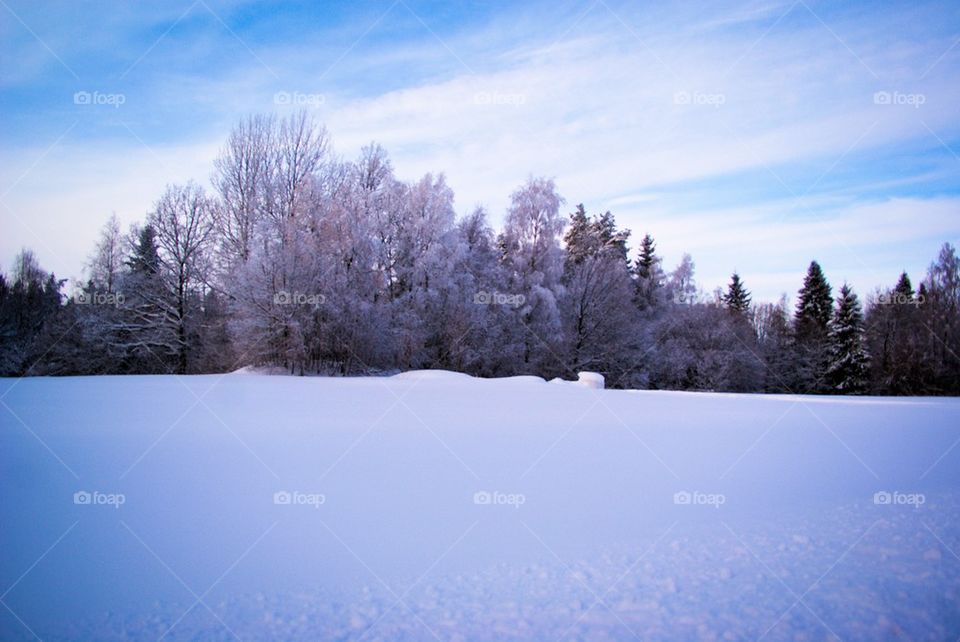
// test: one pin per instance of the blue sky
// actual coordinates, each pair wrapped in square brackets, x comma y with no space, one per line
[754,135]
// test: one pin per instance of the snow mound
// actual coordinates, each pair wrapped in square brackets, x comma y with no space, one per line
[432,375]
[260,370]
[523,379]
[591,380]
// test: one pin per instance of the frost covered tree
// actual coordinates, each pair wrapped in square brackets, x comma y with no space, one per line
[106,263]
[143,337]
[182,218]
[318,264]
[939,321]
[596,304]
[894,340]
[771,323]
[271,182]
[847,363]
[531,250]
[242,177]
[681,286]
[29,307]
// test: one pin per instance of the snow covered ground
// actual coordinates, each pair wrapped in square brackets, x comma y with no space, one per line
[433,505]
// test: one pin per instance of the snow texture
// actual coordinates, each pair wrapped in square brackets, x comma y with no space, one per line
[433,505]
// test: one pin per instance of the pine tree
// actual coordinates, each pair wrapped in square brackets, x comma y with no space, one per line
[649,276]
[578,238]
[847,359]
[903,289]
[811,322]
[647,260]
[145,259]
[610,240]
[737,298]
[815,303]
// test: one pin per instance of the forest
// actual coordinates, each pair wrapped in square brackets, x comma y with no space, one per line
[295,259]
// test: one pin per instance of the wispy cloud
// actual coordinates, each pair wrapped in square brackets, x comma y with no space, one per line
[799,115]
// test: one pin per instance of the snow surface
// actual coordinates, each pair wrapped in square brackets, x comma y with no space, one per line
[434,505]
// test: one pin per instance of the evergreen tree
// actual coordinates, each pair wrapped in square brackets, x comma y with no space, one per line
[609,239]
[737,298]
[577,238]
[811,323]
[648,275]
[847,359]
[903,289]
[145,259]
[815,302]
[647,259]
[142,333]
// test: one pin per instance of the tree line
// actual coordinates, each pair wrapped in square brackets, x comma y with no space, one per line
[300,260]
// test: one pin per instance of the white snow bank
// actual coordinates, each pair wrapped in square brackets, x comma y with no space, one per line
[261,370]
[446,376]
[591,380]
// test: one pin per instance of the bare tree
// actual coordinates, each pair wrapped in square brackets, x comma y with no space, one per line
[241,177]
[183,222]
[107,261]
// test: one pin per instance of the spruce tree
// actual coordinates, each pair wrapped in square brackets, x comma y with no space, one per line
[737,298]
[811,322]
[145,259]
[647,260]
[847,359]
[815,302]
[578,238]
[649,276]
[610,240]
[903,290]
